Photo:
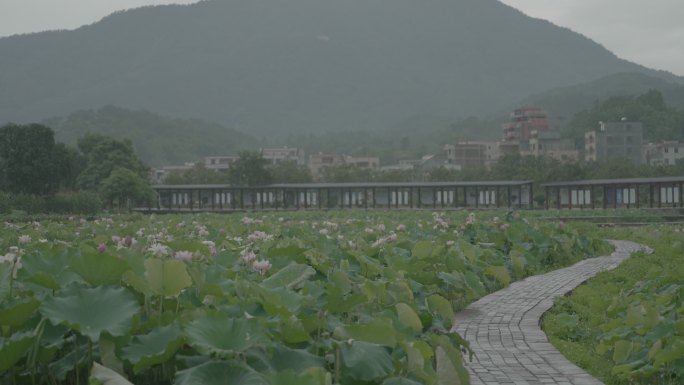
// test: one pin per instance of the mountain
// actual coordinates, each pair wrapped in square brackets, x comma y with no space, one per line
[272,67]
[157,140]
[563,103]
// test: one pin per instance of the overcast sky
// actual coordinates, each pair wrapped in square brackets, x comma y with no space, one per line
[648,32]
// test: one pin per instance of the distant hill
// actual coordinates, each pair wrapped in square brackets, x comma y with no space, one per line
[272,67]
[157,140]
[563,103]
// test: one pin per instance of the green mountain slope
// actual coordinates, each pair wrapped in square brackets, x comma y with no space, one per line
[157,140]
[563,103]
[272,67]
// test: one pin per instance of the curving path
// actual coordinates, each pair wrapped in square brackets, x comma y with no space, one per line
[504,333]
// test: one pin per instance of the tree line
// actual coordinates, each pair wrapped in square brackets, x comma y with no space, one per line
[39,174]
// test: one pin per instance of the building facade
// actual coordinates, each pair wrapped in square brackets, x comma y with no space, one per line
[472,154]
[663,153]
[283,154]
[523,121]
[613,140]
[318,163]
[550,144]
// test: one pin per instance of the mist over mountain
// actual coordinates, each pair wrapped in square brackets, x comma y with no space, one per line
[157,140]
[273,67]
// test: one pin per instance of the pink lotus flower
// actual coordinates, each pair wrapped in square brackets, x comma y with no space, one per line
[116,239]
[248,256]
[102,247]
[262,266]
[183,256]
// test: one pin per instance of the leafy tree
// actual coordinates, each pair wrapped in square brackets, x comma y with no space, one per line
[27,159]
[442,174]
[124,187]
[198,174]
[290,172]
[102,155]
[660,122]
[249,170]
[69,163]
[347,173]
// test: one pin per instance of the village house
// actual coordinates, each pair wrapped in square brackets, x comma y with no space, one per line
[549,143]
[472,154]
[612,140]
[282,154]
[663,153]
[318,162]
[222,162]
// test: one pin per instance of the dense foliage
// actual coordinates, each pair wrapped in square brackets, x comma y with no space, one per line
[157,140]
[30,160]
[625,326]
[272,67]
[39,175]
[660,121]
[291,299]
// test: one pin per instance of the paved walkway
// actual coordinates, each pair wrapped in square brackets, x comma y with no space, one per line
[504,333]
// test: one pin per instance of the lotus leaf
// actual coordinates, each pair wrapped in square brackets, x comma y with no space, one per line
[101,375]
[289,277]
[14,348]
[166,277]
[15,313]
[92,311]
[379,331]
[219,373]
[153,348]
[98,269]
[365,361]
[408,317]
[221,335]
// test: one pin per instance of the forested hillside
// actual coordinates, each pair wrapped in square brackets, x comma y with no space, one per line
[157,140]
[273,67]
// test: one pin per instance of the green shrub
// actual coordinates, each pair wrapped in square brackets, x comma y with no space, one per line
[80,202]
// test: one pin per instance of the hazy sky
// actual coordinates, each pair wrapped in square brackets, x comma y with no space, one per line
[648,32]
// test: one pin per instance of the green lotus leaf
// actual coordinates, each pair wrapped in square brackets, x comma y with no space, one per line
[673,352]
[475,286]
[14,348]
[441,307]
[622,351]
[364,361]
[423,249]
[296,359]
[291,276]
[47,270]
[153,348]
[500,273]
[408,317]
[378,331]
[92,311]
[219,373]
[449,344]
[5,278]
[219,334]
[400,381]
[98,269]
[16,313]
[65,364]
[101,375]
[289,377]
[446,372]
[166,277]
[293,331]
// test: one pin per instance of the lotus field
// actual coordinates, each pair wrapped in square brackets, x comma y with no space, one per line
[288,298]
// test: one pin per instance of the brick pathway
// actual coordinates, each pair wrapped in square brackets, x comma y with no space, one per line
[504,333]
